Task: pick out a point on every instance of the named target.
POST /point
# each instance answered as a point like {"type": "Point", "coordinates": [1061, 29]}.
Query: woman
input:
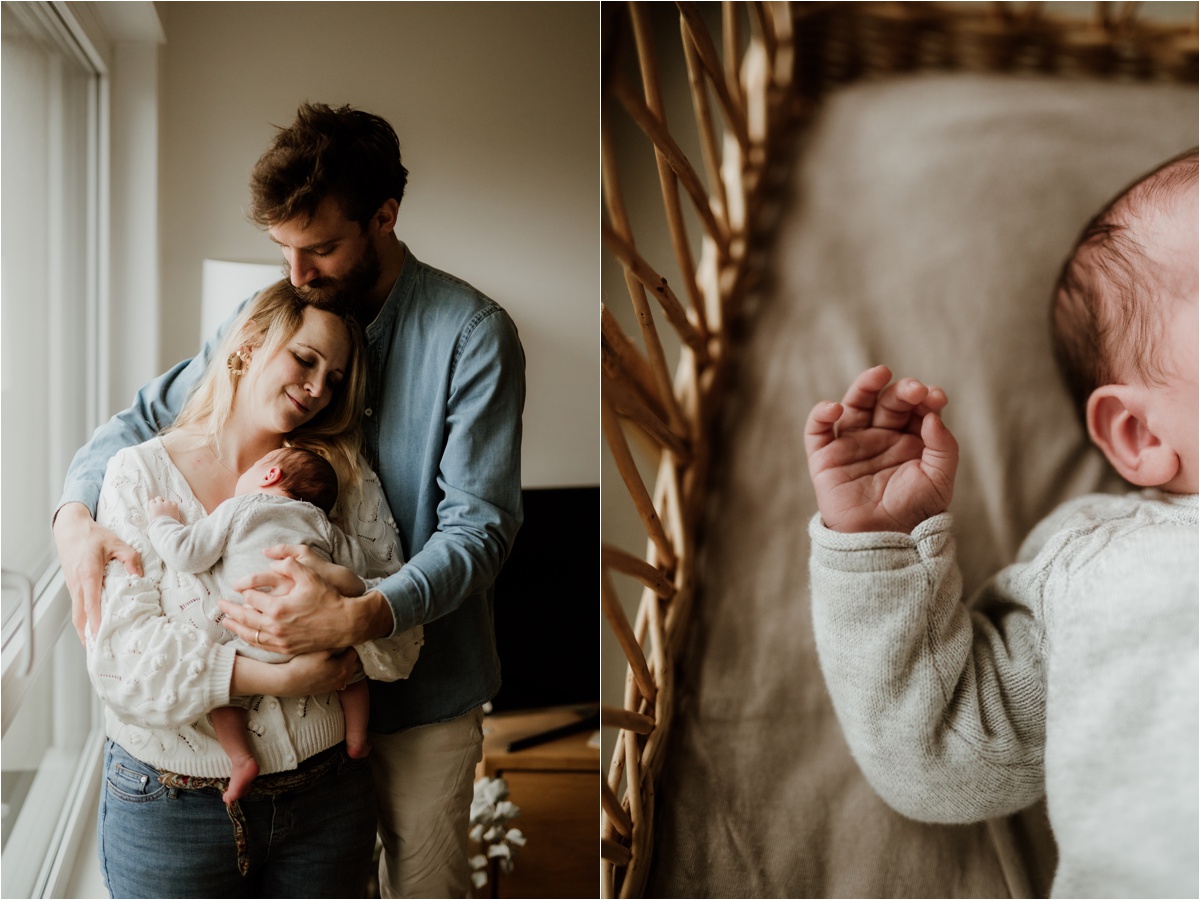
{"type": "Point", "coordinates": [286, 372]}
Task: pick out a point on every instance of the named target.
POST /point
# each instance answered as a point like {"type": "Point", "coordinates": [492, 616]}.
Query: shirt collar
{"type": "Point", "coordinates": [399, 294]}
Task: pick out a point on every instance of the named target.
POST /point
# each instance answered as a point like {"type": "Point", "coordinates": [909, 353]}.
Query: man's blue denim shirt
{"type": "Point", "coordinates": [446, 389]}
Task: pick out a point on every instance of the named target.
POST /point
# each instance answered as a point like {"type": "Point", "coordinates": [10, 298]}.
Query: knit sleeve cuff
{"type": "Point", "coordinates": [220, 674]}
{"type": "Point", "coordinates": [866, 551]}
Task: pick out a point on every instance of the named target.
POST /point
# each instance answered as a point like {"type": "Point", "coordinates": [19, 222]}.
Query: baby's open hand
{"type": "Point", "coordinates": [881, 460]}
{"type": "Point", "coordinates": [160, 507]}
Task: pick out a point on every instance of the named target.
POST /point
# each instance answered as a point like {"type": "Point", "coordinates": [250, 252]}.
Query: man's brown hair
{"type": "Point", "coordinates": [345, 153]}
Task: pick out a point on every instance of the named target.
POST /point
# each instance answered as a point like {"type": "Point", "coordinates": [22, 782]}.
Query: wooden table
{"type": "Point", "coordinates": [557, 786]}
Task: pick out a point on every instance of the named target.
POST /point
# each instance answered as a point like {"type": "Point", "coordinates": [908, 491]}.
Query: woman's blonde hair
{"type": "Point", "coordinates": [269, 320]}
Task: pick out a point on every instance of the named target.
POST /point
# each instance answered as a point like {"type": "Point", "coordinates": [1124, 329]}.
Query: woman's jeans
{"type": "Point", "coordinates": [154, 841]}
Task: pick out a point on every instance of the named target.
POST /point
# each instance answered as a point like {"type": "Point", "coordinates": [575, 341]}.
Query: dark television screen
{"type": "Point", "coordinates": [547, 603]}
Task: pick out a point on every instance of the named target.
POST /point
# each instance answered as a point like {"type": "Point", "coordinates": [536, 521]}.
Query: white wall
{"type": "Point", "coordinates": [496, 106]}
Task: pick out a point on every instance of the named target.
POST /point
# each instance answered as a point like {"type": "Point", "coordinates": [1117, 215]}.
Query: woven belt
{"type": "Point", "coordinates": [265, 786]}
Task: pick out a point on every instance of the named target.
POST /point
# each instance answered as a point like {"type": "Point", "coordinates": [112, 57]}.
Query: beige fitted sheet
{"type": "Point", "coordinates": [925, 224]}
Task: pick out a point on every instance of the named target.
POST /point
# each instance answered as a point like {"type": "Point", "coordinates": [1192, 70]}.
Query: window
{"type": "Point", "coordinates": [49, 220]}
{"type": "Point", "coordinates": [48, 359]}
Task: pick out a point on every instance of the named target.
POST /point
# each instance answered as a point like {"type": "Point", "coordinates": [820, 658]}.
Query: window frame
{"type": "Point", "coordinates": [42, 851]}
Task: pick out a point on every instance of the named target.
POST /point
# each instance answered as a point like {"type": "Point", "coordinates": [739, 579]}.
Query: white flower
{"type": "Point", "coordinates": [490, 810]}
{"type": "Point", "coordinates": [480, 810]}
{"type": "Point", "coordinates": [506, 810]}
{"type": "Point", "coordinates": [493, 789]}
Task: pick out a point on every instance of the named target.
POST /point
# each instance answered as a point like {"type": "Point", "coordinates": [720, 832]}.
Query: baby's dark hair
{"type": "Point", "coordinates": [1102, 324]}
{"type": "Point", "coordinates": [307, 476]}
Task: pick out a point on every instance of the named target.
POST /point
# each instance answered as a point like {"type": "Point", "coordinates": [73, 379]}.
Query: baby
{"type": "Point", "coordinates": [1073, 672]}
{"type": "Point", "coordinates": [283, 498]}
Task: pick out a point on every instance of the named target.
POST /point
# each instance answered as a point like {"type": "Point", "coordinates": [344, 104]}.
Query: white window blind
{"type": "Point", "coordinates": [49, 234]}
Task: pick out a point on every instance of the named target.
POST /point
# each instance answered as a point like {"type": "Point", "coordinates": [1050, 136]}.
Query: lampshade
{"type": "Point", "coordinates": [225, 284]}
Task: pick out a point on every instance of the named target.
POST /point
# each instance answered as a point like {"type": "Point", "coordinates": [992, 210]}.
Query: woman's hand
{"type": "Point", "coordinates": [318, 673]}
{"type": "Point", "coordinates": [84, 549]}
{"type": "Point", "coordinates": [881, 460]}
{"type": "Point", "coordinates": [343, 580]}
{"type": "Point", "coordinates": [321, 672]}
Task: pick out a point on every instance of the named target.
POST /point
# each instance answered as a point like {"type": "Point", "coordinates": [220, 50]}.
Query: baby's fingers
{"type": "Point", "coordinates": [898, 404]}
{"type": "Point", "coordinates": [862, 396]}
{"type": "Point", "coordinates": [934, 402]}
{"type": "Point", "coordinates": [821, 428]}
{"type": "Point", "coordinates": [939, 459]}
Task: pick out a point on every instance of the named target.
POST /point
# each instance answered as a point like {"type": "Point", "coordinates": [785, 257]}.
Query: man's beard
{"type": "Point", "coordinates": [348, 292]}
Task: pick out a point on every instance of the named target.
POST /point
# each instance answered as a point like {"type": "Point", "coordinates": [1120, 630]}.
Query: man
{"type": "Point", "coordinates": [442, 429]}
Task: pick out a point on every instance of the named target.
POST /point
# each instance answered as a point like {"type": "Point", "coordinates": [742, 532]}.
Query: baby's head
{"type": "Point", "coordinates": [292, 472]}
{"type": "Point", "coordinates": [1124, 319]}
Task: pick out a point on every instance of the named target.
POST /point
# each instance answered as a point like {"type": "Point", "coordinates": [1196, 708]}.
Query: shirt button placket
{"type": "Point", "coordinates": [370, 420]}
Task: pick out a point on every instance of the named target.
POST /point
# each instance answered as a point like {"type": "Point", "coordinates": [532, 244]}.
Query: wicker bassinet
{"type": "Point", "coordinates": [744, 101]}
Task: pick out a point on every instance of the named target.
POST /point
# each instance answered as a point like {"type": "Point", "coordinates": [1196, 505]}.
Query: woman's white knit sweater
{"type": "Point", "coordinates": [1072, 673]}
{"type": "Point", "coordinates": [160, 659]}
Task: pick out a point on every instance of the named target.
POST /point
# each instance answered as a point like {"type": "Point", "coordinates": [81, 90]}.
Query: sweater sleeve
{"type": "Point", "coordinates": [941, 701]}
{"type": "Point", "coordinates": [150, 668]}
{"type": "Point", "coordinates": [190, 548]}
{"type": "Point", "coordinates": [371, 546]}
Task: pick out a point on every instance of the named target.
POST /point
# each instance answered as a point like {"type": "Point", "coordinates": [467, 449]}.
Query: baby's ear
{"type": "Point", "coordinates": [271, 477]}
{"type": "Point", "coordinates": [1116, 420]}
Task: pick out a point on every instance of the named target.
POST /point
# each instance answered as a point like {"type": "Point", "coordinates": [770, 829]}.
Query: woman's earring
{"type": "Point", "coordinates": [237, 361]}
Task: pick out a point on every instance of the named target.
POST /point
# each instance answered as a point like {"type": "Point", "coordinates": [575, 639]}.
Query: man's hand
{"type": "Point", "coordinates": [84, 549]}
{"type": "Point", "coordinates": [881, 460]}
{"type": "Point", "coordinates": [160, 507]}
{"type": "Point", "coordinates": [303, 612]}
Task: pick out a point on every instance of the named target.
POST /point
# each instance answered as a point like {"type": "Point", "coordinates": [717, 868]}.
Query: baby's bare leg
{"type": "Point", "coordinates": [229, 722]}
{"type": "Point", "coordinates": [357, 709]}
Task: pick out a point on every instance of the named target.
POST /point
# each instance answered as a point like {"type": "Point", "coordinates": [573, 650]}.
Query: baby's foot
{"type": "Point", "coordinates": [245, 770]}
{"type": "Point", "coordinates": [357, 745]}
